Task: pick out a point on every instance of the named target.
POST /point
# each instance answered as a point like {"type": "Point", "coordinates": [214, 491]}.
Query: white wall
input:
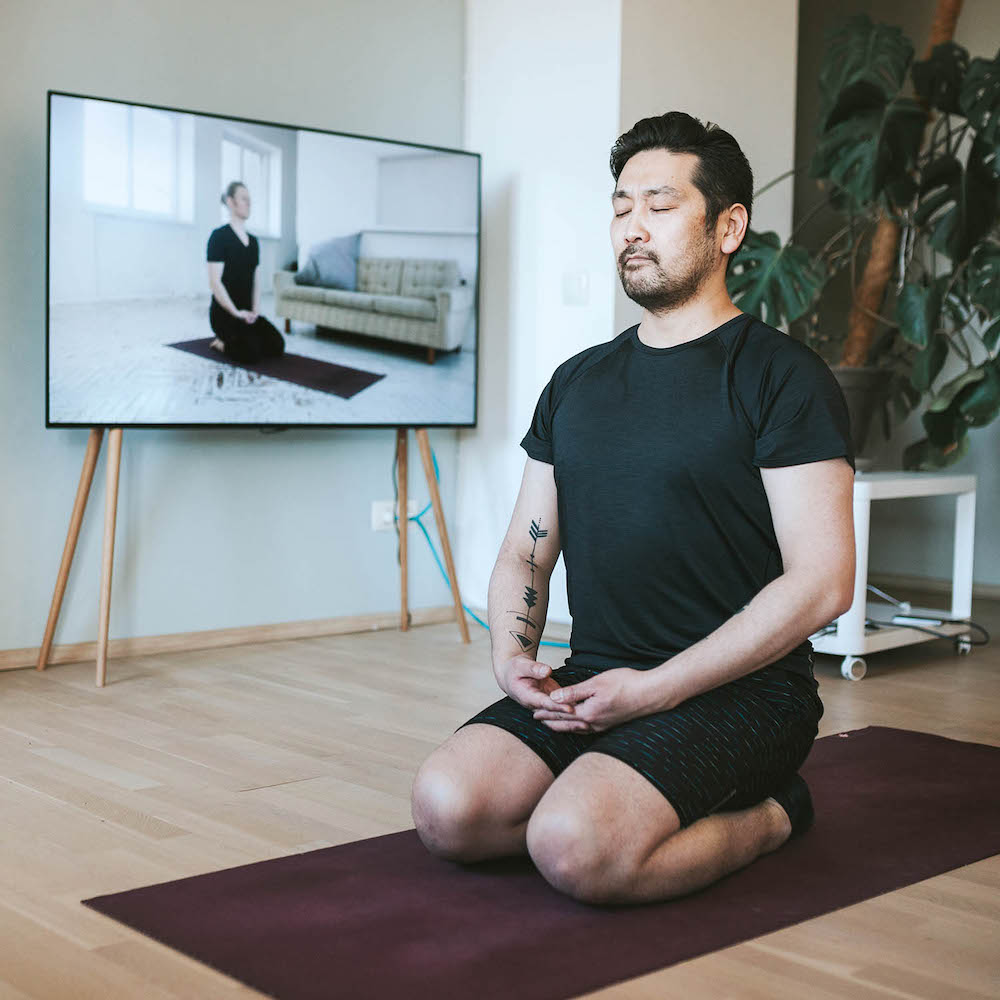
{"type": "Point", "coordinates": [542, 108]}
{"type": "Point", "coordinates": [585, 73]}
{"type": "Point", "coordinates": [428, 191]}
{"type": "Point", "coordinates": [223, 527]}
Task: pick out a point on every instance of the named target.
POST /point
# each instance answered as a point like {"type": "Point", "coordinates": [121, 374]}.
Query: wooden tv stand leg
{"type": "Point", "coordinates": [425, 454]}
{"type": "Point", "coordinates": [404, 526]}
{"type": "Point", "coordinates": [288, 325]}
{"type": "Point", "coordinates": [110, 511]}
{"type": "Point", "coordinates": [72, 535]}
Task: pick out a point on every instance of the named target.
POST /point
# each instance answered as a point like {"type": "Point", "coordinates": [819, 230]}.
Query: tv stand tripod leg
{"type": "Point", "coordinates": [72, 535]}
{"type": "Point", "coordinates": [425, 454]}
{"type": "Point", "coordinates": [110, 511]}
{"type": "Point", "coordinates": [404, 526]}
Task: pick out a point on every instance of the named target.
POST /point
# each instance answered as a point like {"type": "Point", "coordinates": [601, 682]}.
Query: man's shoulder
{"type": "Point", "coordinates": [582, 361]}
{"type": "Point", "coordinates": [761, 344]}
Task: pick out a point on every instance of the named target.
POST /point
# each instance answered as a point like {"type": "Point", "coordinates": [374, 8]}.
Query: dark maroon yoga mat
{"type": "Point", "coordinates": [308, 372]}
{"type": "Point", "coordinates": [384, 918]}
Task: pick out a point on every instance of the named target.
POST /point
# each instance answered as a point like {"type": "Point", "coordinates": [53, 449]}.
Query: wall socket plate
{"type": "Point", "coordinates": [382, 511]}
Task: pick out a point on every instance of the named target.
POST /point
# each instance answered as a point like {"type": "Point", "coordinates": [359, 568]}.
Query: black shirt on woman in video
{"type": "Point", "coordinates": [245, 342]}
{"type": "Point", "coordinates": [665, 525]}
{"type": "Point", "coordinates": [239, 264]}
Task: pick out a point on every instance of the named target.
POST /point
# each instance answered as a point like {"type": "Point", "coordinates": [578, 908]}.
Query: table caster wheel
{"type": "Point", "coordinates": [963, 645]}
{"type": "Point", "coordinates": [853, 668]}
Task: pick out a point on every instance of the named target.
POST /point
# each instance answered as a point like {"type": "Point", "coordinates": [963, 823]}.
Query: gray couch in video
{"type": "Point", "coordinates": [412, 301]}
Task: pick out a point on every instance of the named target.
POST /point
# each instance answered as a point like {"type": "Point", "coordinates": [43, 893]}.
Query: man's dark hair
{"type": "Point", "coordinates": [722, 175]}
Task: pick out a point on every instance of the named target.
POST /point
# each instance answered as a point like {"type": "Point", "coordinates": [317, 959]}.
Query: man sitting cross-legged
{"type": "Point", "coordinates": [696, 472]}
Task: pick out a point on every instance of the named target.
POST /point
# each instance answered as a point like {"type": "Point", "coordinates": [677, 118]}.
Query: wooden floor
{"type": "Point", "coordinates": [194, 762]}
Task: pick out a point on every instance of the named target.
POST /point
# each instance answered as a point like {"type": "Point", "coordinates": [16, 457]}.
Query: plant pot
{"type": "Point", "coordinates": [864, 390]}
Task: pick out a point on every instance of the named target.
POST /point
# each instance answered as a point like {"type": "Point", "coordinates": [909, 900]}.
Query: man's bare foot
{"type": "Point", "coordinates": [217, 345]}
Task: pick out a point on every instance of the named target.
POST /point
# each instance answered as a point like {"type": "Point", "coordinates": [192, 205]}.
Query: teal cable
{"type": "Point", "coordinates": [422, 527]}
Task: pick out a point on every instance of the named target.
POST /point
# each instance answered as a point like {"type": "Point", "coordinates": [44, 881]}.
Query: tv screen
{"type": "Point", "coordinates": [205, 270]}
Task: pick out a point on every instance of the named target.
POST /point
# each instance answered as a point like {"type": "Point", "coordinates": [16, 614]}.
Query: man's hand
{"type": "Point", "coordinates": [528, 682]}
{"type": "Point", "coordinates": [595, 705]}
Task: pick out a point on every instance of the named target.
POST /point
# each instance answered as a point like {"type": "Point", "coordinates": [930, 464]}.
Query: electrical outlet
{"type": "Point", "coordinates": [382, 511]}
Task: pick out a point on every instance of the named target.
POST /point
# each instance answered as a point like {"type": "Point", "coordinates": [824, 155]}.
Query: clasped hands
{"type": "Point", "coordinates": [597, 704]}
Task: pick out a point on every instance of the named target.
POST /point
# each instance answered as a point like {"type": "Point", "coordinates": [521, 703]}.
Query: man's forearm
{"type": "Point", "coordinates": [517, 605]}
{"type": "Point", "coordinates": [781, 616]}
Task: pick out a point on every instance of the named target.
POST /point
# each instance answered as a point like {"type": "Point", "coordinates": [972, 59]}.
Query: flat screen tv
{"type": "Point", "coordinates": [205, 270]}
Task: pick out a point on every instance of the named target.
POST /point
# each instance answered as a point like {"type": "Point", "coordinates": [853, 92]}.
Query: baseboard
{"type": "Point", "coordinates": [17, 659]}
{"type": "Point", "coordinates": [147, 645]}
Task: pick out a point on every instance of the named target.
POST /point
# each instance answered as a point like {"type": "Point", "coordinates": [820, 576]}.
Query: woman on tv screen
{"type": "Point", "coordinates": [233, 262]}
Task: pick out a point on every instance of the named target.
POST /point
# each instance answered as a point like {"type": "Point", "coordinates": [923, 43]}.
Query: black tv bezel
{"type": "Point", "coordinates": [257, 425]}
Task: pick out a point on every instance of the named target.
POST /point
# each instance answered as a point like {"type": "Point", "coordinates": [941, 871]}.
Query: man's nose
{"type": "Point", "coordinates": [636, 230]}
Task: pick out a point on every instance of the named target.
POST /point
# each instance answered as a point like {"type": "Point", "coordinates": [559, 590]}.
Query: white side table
{"type": "Point", "coordinates": [852, 639]}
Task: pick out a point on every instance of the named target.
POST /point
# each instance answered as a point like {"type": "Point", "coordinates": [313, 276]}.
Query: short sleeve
{"type": "Point", "coordinates": [216, 249]}
{"type": "Point", "coordinates": [255, 251]}
{"type": "Point", "coordinates": [538, 441]}
{"type": "Point", "coordinates": [803, 413]}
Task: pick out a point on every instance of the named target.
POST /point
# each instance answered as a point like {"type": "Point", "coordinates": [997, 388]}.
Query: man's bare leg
{"type": "Point", "coordinates": [708, 850]}
{"type": "Point", "coordinates": [473, 796]}
{"type": "Point", "coordinates": [603, 834]}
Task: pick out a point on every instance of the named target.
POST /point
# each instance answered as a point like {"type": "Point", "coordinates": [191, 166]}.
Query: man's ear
{"type": "Point", "coordinates": [735, 228]}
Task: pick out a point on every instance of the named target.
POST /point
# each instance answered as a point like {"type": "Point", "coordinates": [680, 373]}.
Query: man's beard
{"type": "Point", "coordinates": [651, 287]}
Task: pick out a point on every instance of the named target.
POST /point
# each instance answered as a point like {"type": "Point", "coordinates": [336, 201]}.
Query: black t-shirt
{"type": "Point", "coordinates": [665, 525]}
{"type": "Point", "coordinates": [239, 261]}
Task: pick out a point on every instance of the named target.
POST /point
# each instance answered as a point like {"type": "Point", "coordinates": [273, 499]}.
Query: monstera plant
{"type": "Point", "coordinates": [926, 171]}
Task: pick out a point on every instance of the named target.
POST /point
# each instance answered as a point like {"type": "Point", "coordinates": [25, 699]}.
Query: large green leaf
{"type": "Point", "coordinates": [980, 403]}
{"type": "Point", "coordinates": [923, 456]}
{"type": "Point", "coordinates": [983, 276]}
{"type": "Point", "coordinates": [928, 363]}
{"type": "Point", "coordinates": [942, 399]}
{"type": "Point", "coordinates": [917, 311]}
{"type": "Point", "coordinates": [862, 51]}
{"type": "Point", "coordinates": [944, 427]}
{"type": "Point", "coordinates": [991, 336]}
{"type": "Point", "coordinates": [870, 146]}
{"type": "Point", "coordinates": [980, 99]}
{"type": "Point", "coordinates": [776, 283]}
{"type": "Point", "coordinates": [938, 80]}
{"type": "Point", "coordinates": [968, 197]}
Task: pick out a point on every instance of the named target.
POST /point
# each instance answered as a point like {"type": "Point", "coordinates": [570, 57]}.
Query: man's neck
{"type": "Point", "coordinates": [689, 321]}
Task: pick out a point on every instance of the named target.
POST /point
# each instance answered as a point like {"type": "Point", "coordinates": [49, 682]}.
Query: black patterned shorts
{"type": "Point", "coordinates": [723, 750]}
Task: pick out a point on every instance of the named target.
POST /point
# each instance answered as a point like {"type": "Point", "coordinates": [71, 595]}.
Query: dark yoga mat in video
{"type": "Point", "coordinates": [384, 918]}
{"type": "Point", "coordinates": [309, 372]}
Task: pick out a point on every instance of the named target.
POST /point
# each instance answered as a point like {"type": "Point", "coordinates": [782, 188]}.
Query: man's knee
{"type": "Point", "coordinates": [447, 811]}
{"type": "Point", "coordinates": [572, 855]}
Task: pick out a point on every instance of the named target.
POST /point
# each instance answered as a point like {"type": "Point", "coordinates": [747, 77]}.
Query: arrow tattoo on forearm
{"type": "Point", "coordinates": [530, 594]}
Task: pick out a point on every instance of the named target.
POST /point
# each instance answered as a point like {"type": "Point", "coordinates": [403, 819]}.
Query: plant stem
{"type": "Point", "coordinates": [780, 177]}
